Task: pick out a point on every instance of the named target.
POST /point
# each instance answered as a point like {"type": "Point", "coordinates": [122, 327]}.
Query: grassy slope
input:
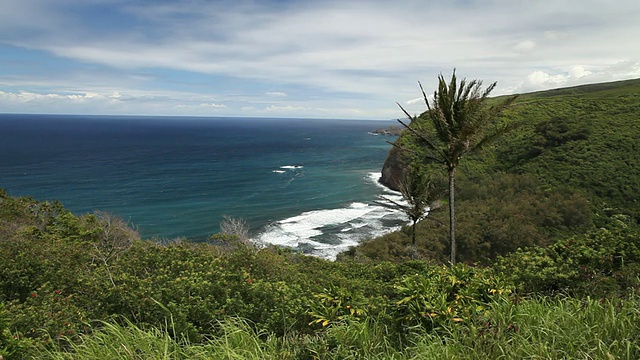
{"type": "Point", "coordinates": [585, 137]}
{"type": "Point", "coordinates": [573, 162]}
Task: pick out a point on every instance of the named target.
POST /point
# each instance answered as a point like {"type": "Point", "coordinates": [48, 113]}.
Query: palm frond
{"type": "Point", "coordinates": [422, 136]}
{"type": "Point", "coordinates": [411, 118]}
{"type": "Point", "coordinates": [424, 95]}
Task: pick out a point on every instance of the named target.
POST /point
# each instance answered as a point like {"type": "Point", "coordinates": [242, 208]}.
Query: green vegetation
{"type": "Point", "coordinates": [571, 165]}
{"type": "Point", "coordinates": [548, 216]}
{"type": "Point", "coordinates": [421, 195]}
{"type": "Point", "coordinates": [534, 329]}
{"type": "Point", "coordinates": [459, 122]}
{"type": "Point", "coordinates": [72, 288]}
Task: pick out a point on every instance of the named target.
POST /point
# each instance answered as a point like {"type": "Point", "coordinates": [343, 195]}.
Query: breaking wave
{"type": "Point", "coordinates": [327, 232]}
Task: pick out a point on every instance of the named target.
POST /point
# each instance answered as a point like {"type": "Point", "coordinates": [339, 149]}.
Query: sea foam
{"type": "Point", "coordinates": [327, 232]}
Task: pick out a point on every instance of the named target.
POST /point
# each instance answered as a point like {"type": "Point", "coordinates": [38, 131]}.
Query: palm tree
{"type": "Point", "coordinates": [461, 122]}
{"type": "Point", "coordinates": [421, 196]}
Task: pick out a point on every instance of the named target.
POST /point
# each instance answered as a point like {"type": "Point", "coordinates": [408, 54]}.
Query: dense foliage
{"type": "Point", "coordinates": [87, 287]}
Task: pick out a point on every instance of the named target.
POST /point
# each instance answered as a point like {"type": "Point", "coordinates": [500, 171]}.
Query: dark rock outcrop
{"type": "Point", "coordinates": [392, 169]}
{"type": "Point", "coordinates": [391, 130]}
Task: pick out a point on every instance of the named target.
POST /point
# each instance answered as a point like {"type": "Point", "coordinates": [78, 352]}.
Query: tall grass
{"type": "Point", "coordinates": [544, 328]}
{"type": "Point", "coordinates": [116, 341]}
{"type": "Point", "coordinates": [129, 341]}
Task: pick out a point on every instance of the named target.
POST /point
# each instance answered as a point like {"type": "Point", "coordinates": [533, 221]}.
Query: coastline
{"type": "Point", "coordinates": [327, 232]}
{"type": "Point", "coordinates": [172, 179]}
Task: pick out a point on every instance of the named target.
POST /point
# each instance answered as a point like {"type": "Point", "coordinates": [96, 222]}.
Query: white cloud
{"type": "Point", "coordinates": [342, 55]}
{"type": "Point", "coordinates": [81, 97]}
{"type": "Point", "coordinates": [285, 109]}
{"type": "Point", "coordinates": [525, 46]}
{"type": "Point", "coordinates": [27, 96]}
{"type": "Point", "coordinates": [554, 35]}
{"type": "Point", "coordinates": [578, 71]}
{"type": "Point", "coordinates": [542, 79]}
{"type": "Point", "coordinates": [415, 101]}
{"type": "Point", "coordinates": [276, 94]}
{"type": "Point", "coordinates": [213, 105]}
{"type": "Point", "coordinates": [578, 75]}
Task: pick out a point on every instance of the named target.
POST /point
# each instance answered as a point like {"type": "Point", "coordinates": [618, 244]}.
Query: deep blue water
{"type": "Point", "coordinates": [303, 183]}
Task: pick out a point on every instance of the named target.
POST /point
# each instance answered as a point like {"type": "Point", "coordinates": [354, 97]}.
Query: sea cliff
{"type": "Point", "coordinates": [392, 169]}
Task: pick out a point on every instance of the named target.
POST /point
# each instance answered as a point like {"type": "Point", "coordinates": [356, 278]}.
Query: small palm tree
{"type": "Point", "coordinates": [461, 122]}
{"type": "Point", "coordinates": [421, 195]}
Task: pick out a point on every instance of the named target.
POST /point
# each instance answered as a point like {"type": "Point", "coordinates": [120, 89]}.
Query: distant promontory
{"type": "Point", "coordinates": [391, 131]}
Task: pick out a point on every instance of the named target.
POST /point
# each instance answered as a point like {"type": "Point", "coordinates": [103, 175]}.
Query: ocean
{"type": "Point", "coordinates": [306, 184]}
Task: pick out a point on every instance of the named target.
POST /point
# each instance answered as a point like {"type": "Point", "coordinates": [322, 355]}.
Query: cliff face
{"type": "Point", "coordinates": [392, 169]}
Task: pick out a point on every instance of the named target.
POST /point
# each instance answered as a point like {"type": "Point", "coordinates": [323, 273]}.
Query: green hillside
{"type": "Point", "coordinates": [624, 87]}
{"type": "Point", "coordinates": [571, 165]}
{"type": "Point", "coordinates": [584, 137]}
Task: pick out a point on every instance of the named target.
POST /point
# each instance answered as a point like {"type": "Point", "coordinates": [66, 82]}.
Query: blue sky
{"type": "Point", "coordinates": [288, 58]}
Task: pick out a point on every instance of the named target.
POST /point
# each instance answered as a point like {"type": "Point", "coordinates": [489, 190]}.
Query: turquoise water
{"type": "Point", "coordinates": [308, 184]}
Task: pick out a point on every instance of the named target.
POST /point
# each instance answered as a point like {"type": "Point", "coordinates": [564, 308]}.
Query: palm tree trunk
{"type": "Point", "coordinates": [413, 240]}
{"type": "Point", "coordinates": [452, 217]}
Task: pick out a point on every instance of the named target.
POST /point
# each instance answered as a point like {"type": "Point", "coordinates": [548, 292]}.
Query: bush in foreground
{"type": "Point", "coordinates": [63, 292]}
{"type": "Point", "coordinates": [541, 328]}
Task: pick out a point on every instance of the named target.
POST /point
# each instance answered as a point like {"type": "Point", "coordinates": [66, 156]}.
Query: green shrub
{"type": "Point", "coordinates": [599, 263]}
{"type": "Point", "coordinates": [48, 314]}
{"type": "Point", "coordinates": [12, 344]}
{"type": "Point", "coordinates": [445, 296]}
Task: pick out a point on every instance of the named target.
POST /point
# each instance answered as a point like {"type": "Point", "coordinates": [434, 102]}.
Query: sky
{"type": "Point", "coordinates": [299, 58]}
